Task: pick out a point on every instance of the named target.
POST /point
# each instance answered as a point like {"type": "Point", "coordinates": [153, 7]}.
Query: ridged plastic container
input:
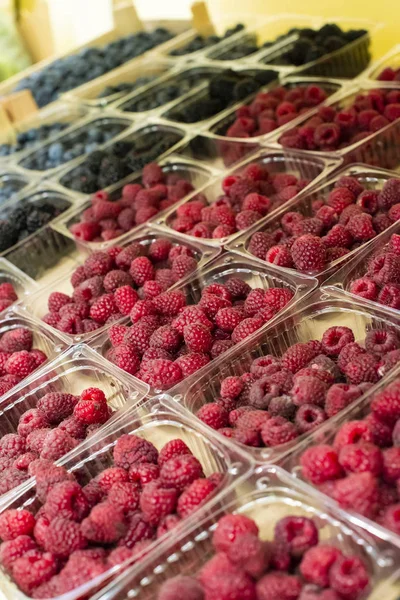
{"type": "Point", "coordinates": [379, 149]}
{"type": "Point", "coordinates": [129, 72]}
{"type": "Point", "coordinates": [269, 495]}
{"type": "Point", "coordinates": [198, 175]}
{"type": "Point", "coordinates": [390, 59]}
{"type": "Point", "coordinates": [43, 248]}
{"type": "Point", "coordinates": [339, 283]}
{"type": "Point", "coordinates": [22, 284]}
{"type": "Point", "coordinates": [317, 170]}
{"type": "Point", "coordinates": [36, 307]}
{"type": "Point", "coordinates": [219, 271]}
{"type": "Point", "coordinates": [15, 179]}
{"type": "Point", "coordinates": [369, 177]}
{"type": "Point", "coordinates": [325, 435]}
{"type": "Point", "coordinates": [59, 112]}
{"type": "Point", "coordinates": [136, 132]}
{"type": "Point", "coordinates": [307, 320]}
{"type": "Point", "coordinates": [72, 134]}
{"type": "Point", "coordinates": [156, 424]}
{"type": "Point", "coordinates": [219, 126]}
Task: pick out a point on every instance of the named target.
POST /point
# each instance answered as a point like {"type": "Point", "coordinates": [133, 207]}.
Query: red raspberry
{"type": "Point", "coordinates": [254, 302]}
{"type": "Point", "coordinates": [127, 255]}
{"type": "Point", "coordinates": [76, 429]}
{"type": "Point", "coordinates": [47, 476]}
{"type": "Point", "coordinates": [390, 296]}
{"type": "Point", "coordinates": [197, 337]}
{"type": "Point", "coordinates": [89, 289]}
{"type": "Point", "coordinates": [7, 291]}
{"type": "Point", "coordinates": [320, 464]}
{"type": "Point", "coordinates": [308, 253]}
{"type": "Point", "coordinates": [192, 362]}
{"type": "Point", "coordinates": [152, 174]}
{"type": "Point", "coordinates": [231, 387]}
{"type": "Point", "coordinates": [181, 588]}
{"type": "Point", "coordinates": [361, 227]}
{"type": "Point", "coordinates": [365, 288]}
{"type": "Point", "coordinates": [131, 449]}
{"type": "Point", "coordinates": [102, 308]}
{"type": "Point", "coordinates": [220, 346]}
{"type": "Point", "coordinates": [213, 415]}
{"type": "Point", "coordinates": [20, 363]}
{"type": "Point", "coordinates": [385, 269]}
{"type": "Point", "coordinates": [178, 472]}
{"type": "Point", "coordinates": [139, 529]}
{"type": "Point", "coordinates": [143, 473]}
{"type": "Point", "coordinates": [57, 300]}
{"type": "Point", "coordinates": [125, 357]}
{"type": "Point", "coordinates": [310, 225]}
{"type": "Point", "coordinates": [250, 554]}
{"type": "Point", "coordinates": [171, 449]}
{"type": "Point", "coordinates": [138, 336]}
{"type": "Point", "coordinates": [246, 328]}
{"type": "Point", "coordinates": [277, 298]}
{"type": "Point", "coordinates": [141, 270]}
{"type": "Point", "coordinates": [347, 353]}
{"type": "Point", "coordinates": [362, 368]}
{"type": "Point", "coordinates": [358, 492]}
{"type": "Point", "coordinates": [57, 443]}
{"type": "Point", "coordinates": [360, 458]}
{"type": "Point", "coordinates": [30, 420]}
{"type": "Point", "coordinates": [390, 519]}
{"type": "Point", "coordinates": [277, 431]}
{"type": "Point", "coordinates": [170, 303]}
{"type": "Point", "coordinates": [66, 499]}
{"type": "Point", "coordinates": [297, 533]}
{"type": "Point", "coordinates": [167, 338]}
{"type": "Point", "coordinates": [228, 318]}
{"type": "Point", "coordinates": [306, 388]}
{"type": "Point", "coordinates": [12, 445]}
{"type": "Point", "coordinates": [194, 496]}
{"type": "Point", "coordinates": [124, 495]}
{"type": "Point", "coordinates": [339, 198]}
{"type": "Point", "coordinates": [339, 396]}
{"type": "Point", "coordinates": [260, 243]}
{"type": "Point", "coordinates": [390, 194]}
{"type": "Point", "coordinates": [109, 477]}
{"type": "Point", "coordinates": [116, 334]}
{"type": "Point", "coordinates": [156, 502]}
{"type": "Point", "coordinates": [335, 339]}
{"type": "Point", "coordinates": [98, 263]}
{"type": "Point", "coordinates": [14, 523]}
{"type": "Point", "coordinates": [308, 417]}
{"type": "Point", "coordinates": [379, 341]}
{"type": "Point", "coordinates": [161, 373]}
{"type": "Point", "coordinates": [16, 340]}
{"type": "Point", "coordinates": [188, 316]}
{"type": "Point", "coordinates": [278, 585]}
{"type": "Point", "coordinates": [14, 549]}
{"type": "Point", "coordinates": [348, 576]}
{"type": "Point", "coordinates": [351, 432]}
{"type": "Point", "coordinates": [317, 562]}
{"type": "Point", "coordinates": [298, 356]}
{"type": "Point", "coordinates": [78, 276]}
{"type": "Point", "coordinates": [91, 411]}
{"type": "Point", "coordinates": [33, 569]}
{"type": "Point", "coordinates": [63, 537]}
{"type": "Point", "coordinates": [116, 279]}
{"type": "Point", "coordinates": [182, 266]}
{"type": "Point", "coordinates": [391, 465]}
{"type": "Point", "coordinates": [226, 586]}
{"type": "Point", "coordinates": [56, 406]}
{"type": "Point", "coordinates": [279, 255]}
{"type": "Point", "coordinates": [105, 524]}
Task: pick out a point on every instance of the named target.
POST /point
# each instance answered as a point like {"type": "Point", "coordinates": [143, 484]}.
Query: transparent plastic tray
{"type": "Point", "coordinates": [36, 307]}
{"type": "Point", "coordinates": [59, 112]}
{"type": "Point", "coordinates": [22, 284]}
{"type": "Point", "coordinates": [73, 371]}
{"type": "Point", "coordinates": [317, 170]}
{"type": "Point", "coordinates": [325, 435]}
{"type": "Point", "coordinates": [198, 175]}
{"type": "Point", "coordinates": [88, 94]}
{"type": "Point", "coordinates": [390, 59]}
{"type": "Point", "coordinates": [379, 149]}
{"type": "Point", "coordinates": [135, 133]}
{"type": "Point", "coordinates": [220, 270]}
{"type": "Point", "coordinates": [269, 495]}
{"type": "Point", "coordinates": [219, 126]}
{"type": "Point", "coordinates": [14, 181]}
{"type": "Point", "coordinates": [369, 177]}
{"type": "Point", "coordinates": [156, 424]}
{"type": "Point", "coordinates": [307, 320]}
{"type": "Point", "coordinates": [339, 283]}
{"type": "Point", "coordinates": [43, 247]}
{"type": "Point", "coordinates": [72, 134]}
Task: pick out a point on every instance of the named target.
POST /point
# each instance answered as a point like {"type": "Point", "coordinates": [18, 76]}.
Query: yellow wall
{"type": "Point", "coordinates": [378, 11]}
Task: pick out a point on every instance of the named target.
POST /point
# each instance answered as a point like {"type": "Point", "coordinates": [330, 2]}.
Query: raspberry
{"type": "Point", "coordinates": [12, 550]}
{"type": "Point", "coordinates": [228, 318]}
{"type": "Point", "coordinates": [125, 495]}
{"type": "Point", "coordinates": [125, 358]}
{"type": "Point", "coordinates": [109, 477]}
{"type": "Point", "coordinates": [89, 289]}
{"type": "Point", "coordinates": [320, 464]}
{"type": "Point", "coordinates": [390, 194]}
{"type": "Point", "coordinates": [11, 478]}
{"type": "Point", "coordinates": [16, 340]}
{"type": "Point", "coordinates": [339, 396]}
{"type": "Point", "coordinates": [231, 387]}
{"type": "Point", "coordinates": [365, 288]}
{"type": "Point", "coordinates": [282, 406]}
{"type": "Point", "coordinates": [277, 431]}
{"type": "Point", "coordinates": [33, 569]}
{"type": "Point", "coordinates": [317, 562]}
{"type": "Point", "coordinates": [360, 458]}
{"type": "Point", "coordinates": [171, 449]}
{"type": "Point", "coordinates": [162, 374]}
{"type": "Point", "coordinates": [20, 363]}
{"type": "Point", "coordinates": [194, 496]}
{"type": "Point", "coordinates": [213, 415]}
{"type": "Point", "coordinates": [66, 499]}
{"type": "Point", "coordinates": [246, 328]}
{"type": "Point", "coordinates": [226, 586]}
{"type": "Point", "coordinates": [57, 300]}
{"type": "Point", "coordinates": [76, 429]}
{"type": "Point", "coordinates": [181, 588]}
{"type": "Point", "coordinates": [310, 225]}
{"type": "Point", "coordinates": [279, 255]}
{"type": "Point", "coordinates": [338, 236]}
{"type": "Point", "coordinates": [116, 334]}
{"type": "Point", "coordinates": [139, 529]}
{"type": "Point", "coordinates": [197, 337]}
{"type": "Point", "coordinates": [391, 465]}
{"type": "Point", "coordinates": [254, 302]}
{"type": "Point", "coordinates": [141, 270]}
{"type": "Point", "coordinates": [260, 243]}
{"type": "Point", "coordinates": [379, 433]}
{"type": "Point", "coordinates": [56, 406]}
{"type": "Point", "coordinates": [348, 576]}
{"type": "Point", "coordinates": [390, 519]}
{"type": "Point", "coordinates": [250, 554]}
{"type": "Point", "coordinates": [131, 449]}
{"type": "Point", "coordinates": [91, 411]}
{"type": "Point", "coordinates": [12, 445]}
{"type": "Point", "coordinates": [102, 308]}
{"type": "Point", "coordinates": [47, 476]}
{"type": "Point", "coordinates": [277, 298]}
{"type": "Point", "coordinates": [297, 533]}
{"type": "Point", "coordinates": [220, 346]}
{"type": "Point", "coordinates": [390, 296]}
{"type": "Point", "coordinates": [308, 253]}
{"type": "Point", "coordinates": [105, 524]}
{"type": "Point", "coordinates": [170, 303]}
{"type": "Point", "coordinates": [362, 368]}
{"type": "Point", "coordinates": [348, 353]}
{"type": "Point", "coordinates": [335, 339]}
{"type": "Point", "coordinates": [380, 341]}
{"type": "Point", "coordinates": [156, 501]}
{"type": "Point", "coordinates": [125, 298]}
{"type": "Point", "coordinates": [98, 263]}
{"type": "Point", "coordinates": [358, 492]}
{"type": "Point", "coordinates": [192, 362]}
{"type": "Point", "coordinates": [308, 417]}
{"type": "Point", "coordinates": [278, 585]}
{"type": "Point", "coordinates": [232, 527]}
{"type": "Point", "coordinates": [298, 356]}
{"type": "Point", "coordinates": [178, 472]}
{"type": "Point", "coordinates": [167, 338]}
{"type": "Point", "coordinates": [339, 198]}
{"type": "Point", "coordinates": [14, 523]}
{"type": "Point", "coordinates": [182, 266]}
{"type": "Point", "coordinates": [63, 537]}
{"type": "Point", "coordinates": [351, 432]}
{"type": "Point", "coordinates": [361, 227]}
{"type": "Point", "coordinates": [306, 388]}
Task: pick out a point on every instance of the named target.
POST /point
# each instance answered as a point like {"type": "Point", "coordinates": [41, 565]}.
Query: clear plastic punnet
{"type": "Point", "coordinates": [78, 135]}
{"type": "Point", "coordinates": [11, 182]}
{"type": "Point", "coordinates": [269, 495]}
{"type": "Point", "coordinates": [312, 171]}
{"type": "Point", "coordinates": [22, 284]}
{"type": "Point", "coordinates": [219, 271]}
{"type": "Point", "coordinates": [325, 436]}
{"type": "Point", "coordinates": [340, 282]}
{"type": "Point", "coordinates": [36, 306]}
{"type": "Point", "coordinates": [370, 178]}
{"type": "Point", "coordinates": [384, 69]}
{"type": "Point", "coordinates": [197, 174]}
{"type": "Point", "coordinates": [377, 148]}
{"type": "Point", "coordinates": [306, 321]}
{"type": "Point", "coordinates": [154, 423]}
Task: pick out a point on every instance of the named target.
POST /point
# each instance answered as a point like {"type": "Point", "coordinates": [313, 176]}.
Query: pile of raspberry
{"type": "Point", "coordinates": [335, 127]}
{"type": "Point", "coordinates": [270, 110]}
{"type": "Point", "coordinates": [110, 282]}
{"type": "Point", "coordinates": [381, 281]}
{"type": "Point", "coordinates": [107, 219]}
{"type": "Point", "coordinates": [360, 469]}
{"type": "Point", "coordinates": [246, 199]}
{"type": "Point", "coordinates": [76, 532]}
{"type": "Point", "coordinates": [8, 295]}
{"type": "Point", "coordinates": [57, 425]}
{"type": "Point", "coordinates": [170, 339]}
{"type": "Point", "coordinates": [389, 74]}
{"type": "Point", "coordinates": [295, 565]}
{"type": "Point", "coordinates": [18, 358]}
{"type": "Point", "coordinates": [347, 217]}
{"type": "Point", "coordinates": [280, 399]}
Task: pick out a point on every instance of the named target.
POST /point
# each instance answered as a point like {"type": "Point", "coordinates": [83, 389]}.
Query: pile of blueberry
{"type": "Point", "coordinates": [9, 187]}
{"type": "Point", "coordinates": [103, 168]}
{"type": "Point", "coordinates": [82, 141]}
{"type": "Point", "coordinates": [224, 89]}
{"type": "Point", "coordinates": [200, 41]}
{"type": "Point", "coordinates": [27, 217]}
{"type": "Point", "coordinates": [169, 90]}
{"type": "Point", "coordinates": [31, 137]}
{"type": "Point", "coordinates": [126, 87]}
{"type": "Point", "coordinates": [69, 72]}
